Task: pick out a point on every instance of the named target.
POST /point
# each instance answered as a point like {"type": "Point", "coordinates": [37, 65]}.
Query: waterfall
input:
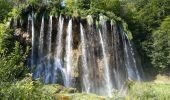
{"type": "Point", "coordinates": [134, 61]}
{"type": "Point", "coordinates": [105, 47]}
{"type": "Point", "coordinates": [41, 51]}
{"type": "Point", "coordinates": [89, 20]}
{"type": "Point", "coordinates": [15, 23]}
{"type": "Point", "coordinates": [106, 68]}
{"type": "Point", "coordinates": [117, 62]}
{"type": "Point", "coordinates": [58, 51]}
{"type": "Point", "coordinates": [28, 25]}
{"type": "Point", "coordinates": [41, 41]}
{"type": "Point", "coordinates": [59, 45]}
{"type": "Point", "coordinates": [48, 65]}
{"type": "Point", "coordinates": [130, 60]}
{"type": "Point", "coordinates": [98, 56]}
{"type": "Point", "coordinates": [68, 55]}
{"type": "Point", "coordinates": [49, 38]}
{"type": "Point", "coordinates": [86, 80]}
{"type": "Point", "coordinates": [33, 42]}
{"type": "Point", "coordinates": [91, 56]}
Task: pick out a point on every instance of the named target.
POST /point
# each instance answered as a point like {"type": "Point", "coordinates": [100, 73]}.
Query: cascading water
{"type": "Point", "coordinates": [86, 78]}
{"type": "Point", "coordinates": [134, 61]}
{"type": "Point", "coordinates": [58, 51]}
{"type": "Point", "coordinates": [28, 24]}
{"type": "Point", "coordinates": [59, 45]}
{"type": "Point", "coordinates": [48, 68]}
{"type": "Point", "coordinates": [106, 68]}
{"type": "Point", "coordinates": [117, 56]}
{"type": "Point", "coordinates": [33, 42]}
{"type": "Point", "coordinates": [130, 60]}
{"type": "Point", "coordinates": [104, 56]}
{"type": "Point", "coordinates": [15, 24]}
{"type": "Point", "coordinates": [41, 51]}
{"type": "Point", "coordinates": [68, 55]}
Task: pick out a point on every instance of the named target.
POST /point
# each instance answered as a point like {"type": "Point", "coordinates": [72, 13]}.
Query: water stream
{"type": "Point", "coordinates": [93, 57]}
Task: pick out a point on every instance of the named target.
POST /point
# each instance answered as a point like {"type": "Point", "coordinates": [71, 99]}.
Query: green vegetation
{"type": "Point", "coordinates": [147, 21]}
{"type": "Point", "coordinates": [24, 89]}
{"type": "Point", "coordinates": [5, 7]}
{"type": "Point", "coordinates": [149, 91]}
{"type": "Point", "coordinates": [161, 45]}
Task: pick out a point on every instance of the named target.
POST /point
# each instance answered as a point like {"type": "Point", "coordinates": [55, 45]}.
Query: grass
{"type": "Point", "coordinates": [136, 91]}
{"type": "Point", "coordinates": [149, 91]}
{"type": "Point", "coordinates": [27, 88]}
{"type": "Point", "coordinates": [164, 79]}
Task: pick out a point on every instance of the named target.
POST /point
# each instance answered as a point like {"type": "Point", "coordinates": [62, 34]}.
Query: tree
{"type": "Point", "coordinates": [145, 19]}
{"type": "Point", "coordinates": [107, 5]}
{"type": "Point", "coordinates": [5, 7]}
{"type": "Point", "coordinates": [161, 46]}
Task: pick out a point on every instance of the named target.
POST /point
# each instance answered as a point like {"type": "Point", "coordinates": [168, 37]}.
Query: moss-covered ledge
{"type": "Point", "coordinates": [69, 11]}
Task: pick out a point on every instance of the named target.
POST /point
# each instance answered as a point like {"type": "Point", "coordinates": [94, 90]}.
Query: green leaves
{"type": "Point", "coordinates": [107, 5]}
{"type": "Point", "coordinates": [161, 45]}
{"type": "Point", "coordinates": [149, 21]}
{"type": "Point", "coordinates": [23, 90]}
{"type": "Point", "coordinates": [12, 56]}
{"type": "Point", "coordinates": [149, 91]}
{"type": "Point", "coordinates": [12, 65]}
{"type": "Point", "coordinates": [5, 7]}
{"type": "Point", "coordinates": [165, 25]}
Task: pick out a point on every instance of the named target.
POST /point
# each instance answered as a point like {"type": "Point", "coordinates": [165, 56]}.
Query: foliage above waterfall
{"type": "Point", "coordinates": [76, 9]}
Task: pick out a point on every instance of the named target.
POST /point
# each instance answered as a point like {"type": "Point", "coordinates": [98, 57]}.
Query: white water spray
{"type": "Point", "coordinates": [49, 66]}
{"type": "Point", "coordinates": [106, 67]}
{"type": "Point", "coordinates": [86, 81]}
{"type": "Point", "coordinates": [68, 55]}
{"type": "Point", "coordinates": [58, 51]}
{"type": "Point", "coordinates": [33, 42]}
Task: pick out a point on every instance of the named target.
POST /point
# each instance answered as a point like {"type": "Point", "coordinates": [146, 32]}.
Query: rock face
{"type": "Point", "coordinates": [92, 55]}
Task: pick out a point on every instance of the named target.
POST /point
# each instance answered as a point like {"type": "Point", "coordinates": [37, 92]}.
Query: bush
{"type": "Point", "coordinates": [12, 65]}
{"type": "Point", "coordinates": [5, 7]}
{"type": "Point", "coordinates": [12, 56]}
{"type": "Point", "coordinates": [23, 90]}
{"type": "Point", "coordinates": [161, 46]}
{"type": "Point", "coordinates": [149, 91]}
